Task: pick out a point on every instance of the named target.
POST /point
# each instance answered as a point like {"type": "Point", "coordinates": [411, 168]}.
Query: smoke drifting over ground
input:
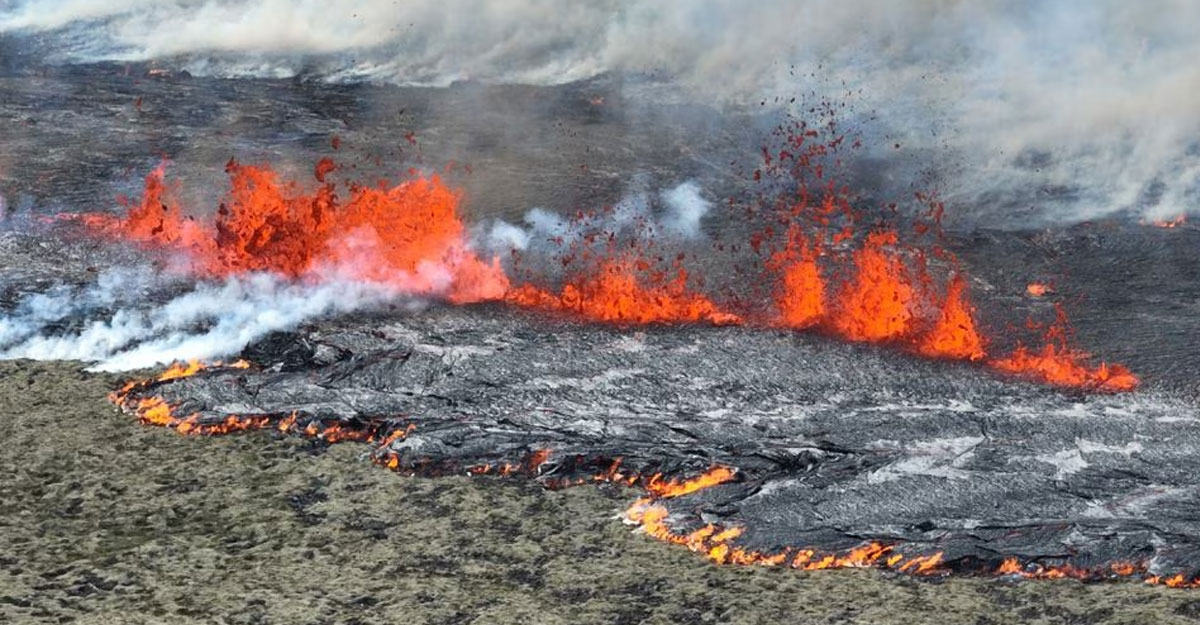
{"type": "Point", "coordinates": [105, 323]}
{"type": "Point", "coordinates": [1062, 111]}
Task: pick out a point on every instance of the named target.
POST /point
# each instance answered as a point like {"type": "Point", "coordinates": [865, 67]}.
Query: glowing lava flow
{"type": "Point", "coordinates": [715, 542]}
{"type": "Point", "coordinates": [1057, 363]}
{"type": "Point", "coordinates": [174, 371]}
{"type": "Point", "coordinates": [1012, 567]}
{"type": "Point", "coordinates": [154, 410]}
{"type": "Point", "coordinates": [614, 293]}
{"type": "Point", "coordinates": [1173, 222]}
{"type": "Point", "coordinates": [1037, 289]}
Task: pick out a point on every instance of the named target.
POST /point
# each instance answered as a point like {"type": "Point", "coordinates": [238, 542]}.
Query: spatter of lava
{"type": "Point", "coordinates": [648, 513]}
{"type": "Point", "coordinates": [832, 273]}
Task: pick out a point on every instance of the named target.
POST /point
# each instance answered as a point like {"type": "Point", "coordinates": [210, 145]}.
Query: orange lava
{"type": "Point", "coordinates": [153, 219]}
{"type": "Point", "coordinates": [800, 296]}
{"type": "Point", "coordinates": [154, 410]}
{"type": "Point", "coordinates": [1173, 222]}
{"type": "Point", "coordinates": [1011, 566]}
{"type": "Point", "coordinates": [1037, 289]}
{"type": "Point", "coordinates": [174, 371]}
{"type": "Point", "coordinates": [955, 334]}
{"type": "Point", "coordinates": [615, 293]}
{"type": "Point", "coordinates": [529, 466]}
{"type": "Point", "coordinates": [677, 488]}
{"type": "Point", "coordinates": [877, 305]}
{"type": "Point", "coordinates": [410, 235]}
{"type": "Point", "coordinates": [716, 544]}
{"type": "Point", "coordinates": [1057, 363]}
{"type": "Point", "coordinates": [1065, 367]}
{"type": "Point", "coordinates": [713, 542]}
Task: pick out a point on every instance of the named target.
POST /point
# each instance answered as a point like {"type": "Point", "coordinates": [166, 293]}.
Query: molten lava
{"type": "Point", "coordinates": [955, 334]}
{"type": "Point", "coordinates": [877, 305]}
{"type": "Point", "coordinates": [409, 236]}
{"type": "Point", "coordinates": [1037, 289]}
{"type": "Point", "coordinates": [677, 488]}
{"type": "Point", "coordinates": [154, 410]}
{"type": "Point", "coordinates": [713, 542]}
{"type": "Point", "coordinates": [828, 274]}
{"type": "Point", "coordinates": [615, 293]}
{"type": "Point", "coordinates": [153, 220]}
{"type": "Point", "coordinates": [1173, 222]}
{"type": "Point", "coordinates": [800, 296]}
{"type": "Point", "coordinates": [1058, 363]}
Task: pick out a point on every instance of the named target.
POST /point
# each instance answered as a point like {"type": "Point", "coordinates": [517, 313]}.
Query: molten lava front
{"type": "Point", "coordinates": [652, 514]}
{"type": "Point", "coordinates": [748, 449]}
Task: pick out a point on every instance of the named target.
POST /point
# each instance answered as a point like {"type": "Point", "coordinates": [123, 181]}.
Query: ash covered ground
{"type": "Point", "coordinates": [832, 444]}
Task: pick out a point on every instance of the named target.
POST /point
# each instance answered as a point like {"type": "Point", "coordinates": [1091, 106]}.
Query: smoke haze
{"type": "Point", "coordinates": [1082, 108]}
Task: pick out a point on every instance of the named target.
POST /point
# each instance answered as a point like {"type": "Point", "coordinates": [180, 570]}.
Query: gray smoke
{"type": "Point", "coordinates": [1059, 110]}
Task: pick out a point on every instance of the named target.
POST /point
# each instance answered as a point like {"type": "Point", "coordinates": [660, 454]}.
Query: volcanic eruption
{"type": "Point", "coordinates": [834, 274]}
{"type": "Point", "coordinates": [797, 341]}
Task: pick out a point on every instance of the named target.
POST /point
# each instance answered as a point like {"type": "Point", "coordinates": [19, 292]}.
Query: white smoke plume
{"type": "Point", "coordinates": [1062, 110]}
{"type": "Point", "coordinates": [110, 324]}
{"type": "Point", "coordinates": [687, 208]}
{"type": "Point", "coordinates": [672, 216]}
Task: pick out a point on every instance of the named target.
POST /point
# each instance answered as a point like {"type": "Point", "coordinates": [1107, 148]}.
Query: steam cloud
{"type": "Point", "coordinates": [1058, 110]}
{"type": "Point", "coordinates": [672, 216]}
{"type": "Point", "coordinates": [110, 324]}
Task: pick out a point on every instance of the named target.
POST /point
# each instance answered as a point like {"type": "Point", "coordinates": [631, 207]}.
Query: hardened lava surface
{"type": "Point", "coordinates": [833, 445]}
